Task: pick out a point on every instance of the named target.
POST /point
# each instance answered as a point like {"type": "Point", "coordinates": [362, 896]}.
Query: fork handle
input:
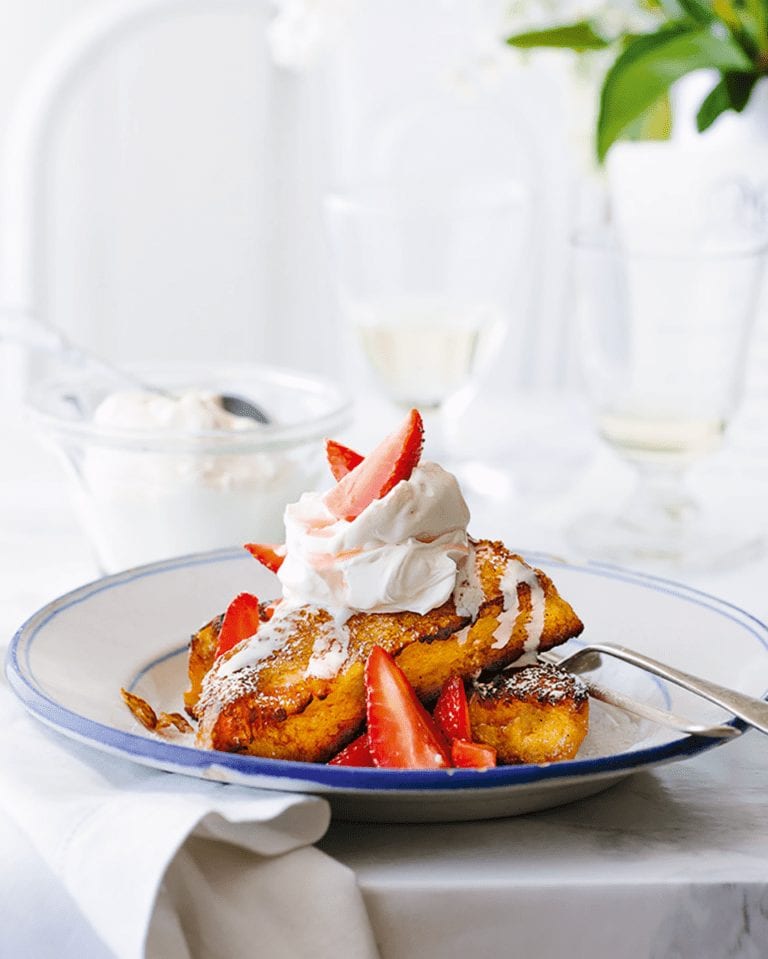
{"type": "Point", "coordinates": [752, 711]}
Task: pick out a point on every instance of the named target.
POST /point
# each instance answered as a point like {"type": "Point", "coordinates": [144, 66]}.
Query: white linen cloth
{"type": "Point", "coordinates": [169, 867]}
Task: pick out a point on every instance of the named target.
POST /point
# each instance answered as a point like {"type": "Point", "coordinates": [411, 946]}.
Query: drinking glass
{"type": "Point", "coordinates": [427, 278]}
{"type": "Point", "coordinates": [663, 337]}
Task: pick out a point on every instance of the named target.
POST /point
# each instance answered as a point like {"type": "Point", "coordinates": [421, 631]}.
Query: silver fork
{"type": "Point", "coordinates": [751, 710]}
{"type": "Point", "coordinates": [588, 658]}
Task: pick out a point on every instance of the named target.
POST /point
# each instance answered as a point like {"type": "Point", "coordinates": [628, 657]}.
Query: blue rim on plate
{"type": "Point", "coordinates": [155, 752]}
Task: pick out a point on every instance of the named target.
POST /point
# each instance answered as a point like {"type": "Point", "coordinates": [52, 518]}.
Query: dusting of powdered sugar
{"type": "Point", "coordinates": [542, 682]}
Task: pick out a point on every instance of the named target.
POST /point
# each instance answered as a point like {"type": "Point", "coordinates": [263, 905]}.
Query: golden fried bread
{"type": "Point", "coordinates": [535, 714]}
{"type": "Point", "coordinates": [265, 697]}
{"type": "Point", "coordinates": [202, 652]}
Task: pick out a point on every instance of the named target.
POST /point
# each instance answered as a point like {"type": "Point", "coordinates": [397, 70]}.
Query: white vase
{"type": "Point", "coordinates": [694, 186]}
{"type": "Point", "coordinates": [705, 187]}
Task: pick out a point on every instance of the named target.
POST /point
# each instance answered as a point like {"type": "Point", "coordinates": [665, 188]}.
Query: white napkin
{"type": "Point", "coordinates": [170, 867]}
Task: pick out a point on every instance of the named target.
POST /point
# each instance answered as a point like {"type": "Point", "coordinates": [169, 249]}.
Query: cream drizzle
{"type": "Point", "coordinates": [463, 635]}
{"type": "Point", "coordinates": [468, 595]}
{"type": "Point", "coordinates": [330, 649]}
{"type": "Point", "coordinates": [517, 572]}
{"type": "Point", "coordinates": [270, 637]}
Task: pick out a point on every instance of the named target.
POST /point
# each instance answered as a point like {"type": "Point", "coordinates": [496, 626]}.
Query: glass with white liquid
{"type": "Point", "coordinates": [663, 336]}
{"type": "Point", "coordinates": [425, 351]}
{"type": "Point", "coordinates": [428, 279]}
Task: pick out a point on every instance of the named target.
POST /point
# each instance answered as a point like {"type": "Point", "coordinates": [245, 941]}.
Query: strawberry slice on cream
{"type": "Point", "coordinates": [390, 462]}
{"type": "Point", "coordinates": [390, 536]}
{"type": "Point", "coordinates": [269, 555]}
{"type": "Point", "coordinates": [341, 459]}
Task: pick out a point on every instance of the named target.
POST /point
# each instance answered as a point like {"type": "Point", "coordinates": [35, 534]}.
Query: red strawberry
{"type": "Point", "coordinates": [467, 755]}
{"type": "Point", "coordinates": [271, 556]}
{"type": "Point", "coordinates": [341, 459]}
{"type": "Point", "coordinates": [393, 460]}
{"type": "Point", "coordinates": [357, 753]}
{"type": "Point", "coordinates": [451, 712]}
{"type": "Point", "coordinates": [241, 620]}
{"type": "Point", "coordinates": [401, 732]}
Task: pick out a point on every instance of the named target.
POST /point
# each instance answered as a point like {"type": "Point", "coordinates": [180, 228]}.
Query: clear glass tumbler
{"type": "Point", "coordinates": [663, 337]}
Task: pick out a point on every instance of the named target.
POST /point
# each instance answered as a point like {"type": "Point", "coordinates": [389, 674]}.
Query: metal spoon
{"type": "Point", "coordinates": [35, 336]}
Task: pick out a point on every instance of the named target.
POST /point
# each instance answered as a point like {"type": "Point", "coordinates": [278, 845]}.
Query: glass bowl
{"type": "Point", "coordinates": [151, 493]}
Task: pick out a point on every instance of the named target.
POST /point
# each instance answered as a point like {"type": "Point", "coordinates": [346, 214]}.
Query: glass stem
{"type": "Point", "coordinates": [660, 499]}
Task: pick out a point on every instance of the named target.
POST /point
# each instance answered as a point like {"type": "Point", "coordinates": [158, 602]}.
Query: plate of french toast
{"type": "Point", "coordinates": [381, 656]}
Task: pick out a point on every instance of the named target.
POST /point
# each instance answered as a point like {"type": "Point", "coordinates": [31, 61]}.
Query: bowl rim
{"type": "Point", "coordinates": [259, 438]}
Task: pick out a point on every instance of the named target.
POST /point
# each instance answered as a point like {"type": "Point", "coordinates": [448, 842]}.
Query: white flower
{"type": "Point", "coordinates": [303, 30]}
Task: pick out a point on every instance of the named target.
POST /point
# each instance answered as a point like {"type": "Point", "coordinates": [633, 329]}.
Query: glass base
{"type": "Point", "coordinates": [703, 544]}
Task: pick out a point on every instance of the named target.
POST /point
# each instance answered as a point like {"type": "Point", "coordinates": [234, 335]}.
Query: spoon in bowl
{"type": "Point", "coordinates": [34, 335]}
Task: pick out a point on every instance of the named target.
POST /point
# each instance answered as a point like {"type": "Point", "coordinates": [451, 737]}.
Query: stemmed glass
{"type": "Point", "coordinates": [663, 336]}
{"type": "Point", "coordinates": [427, 278]}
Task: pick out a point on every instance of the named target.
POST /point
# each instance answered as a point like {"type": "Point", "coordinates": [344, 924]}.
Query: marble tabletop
{"type": "Point", "coordinates": [670, 863]}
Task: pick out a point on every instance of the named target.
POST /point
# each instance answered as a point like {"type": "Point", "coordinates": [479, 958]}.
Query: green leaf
{"type": "Point", "coordinates": [747, 22]}
{"type": "Point", "coordinates": [669, 9]}
{"type": "Point", "coordinates": [650, 64]}
{"type": "Point", "coordinates": [725, 10]}
{"type": "Point", "coordinates": [731, 93]}
{"type": "Point", "coordinates": [655, 123]}
{"type": "Point", "coordinates": [698, 10]}
{"type": "Point", "coordinates": [576, 36]}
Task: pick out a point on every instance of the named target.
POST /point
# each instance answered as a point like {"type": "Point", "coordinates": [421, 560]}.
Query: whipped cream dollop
{"type": "Point", "coordinates": [401, 553]}
{"type": "Point", "coordinates": [191, 411]}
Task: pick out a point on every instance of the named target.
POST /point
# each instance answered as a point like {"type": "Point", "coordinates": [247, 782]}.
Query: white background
{"type": "Point", "coordinates": [187, 170]}
{"type": "Point", "coordinates": [186, 173]}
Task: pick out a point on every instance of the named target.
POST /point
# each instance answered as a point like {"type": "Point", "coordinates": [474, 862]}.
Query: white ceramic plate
{"type": "Point", "coordinates": [68, 662]}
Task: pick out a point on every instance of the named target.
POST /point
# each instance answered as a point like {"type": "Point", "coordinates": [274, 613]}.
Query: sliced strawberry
{"type": "Point", "coordinates": [467, 755]}
{"type": "Point", "coordinates": [452, 712]}
{"type": "Point", "coordinates": [357, 753]}
{"type": "Point", "coordinates": [271, 555]}
{"type": "Point", "coordinates": [341, 459]}
{"type": "Point", "coordinates": [401, 732]}
{"type": "Point", "coordinates": [241, 620]}
{"type": "Point", "coordinates": [393, 460]}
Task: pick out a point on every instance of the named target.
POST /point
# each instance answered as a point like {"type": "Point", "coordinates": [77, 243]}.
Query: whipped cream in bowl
{"type": "Point", "coordinates": [157, 475]}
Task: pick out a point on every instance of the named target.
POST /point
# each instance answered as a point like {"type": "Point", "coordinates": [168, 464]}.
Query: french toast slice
{"type": "Point", "coordinates": [536, 714]}
{"type": "Point", "coordinates": [202, 652]}
{"type": "Point", "coordinates": [279, 706]}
